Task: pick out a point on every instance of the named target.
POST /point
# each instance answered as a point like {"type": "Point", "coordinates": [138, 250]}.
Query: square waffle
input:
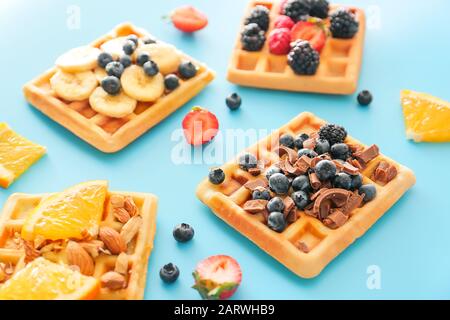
{"type": "Point", "coordinates": [324, 244]}
{"type": "Point", "coordinates": [112, 134]}
{"type": "Point", "coordinates": [12, 253]}
{"type": "Point", "coordinates": [338, 72]}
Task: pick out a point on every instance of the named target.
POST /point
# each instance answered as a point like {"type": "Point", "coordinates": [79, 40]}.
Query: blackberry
{"type": "Point", "coordinates": [303, 59]}
{"type": "Point", "coordinates": [333, 133]}
{"type": "Point", "coordinates": [343, 24]}
{"type": "Point", "coordinates": [319, 8]}
{"type": "Point", "coordinates": [297, 9]}
{"type": "Point", "coordinates": [252, 38]}
{"type": "Point", "coordinates": [260, 16]}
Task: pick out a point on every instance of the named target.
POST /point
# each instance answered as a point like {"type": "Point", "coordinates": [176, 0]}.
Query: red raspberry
{"type": "Point", "coordinates": [280, 41]}
{"type": "Point", "coordinates": [284, 22]}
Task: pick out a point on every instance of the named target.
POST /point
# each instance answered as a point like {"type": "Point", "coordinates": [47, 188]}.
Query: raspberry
{"type": "Point", "coordinates": [280, 41]}
{"type": "Point", "coordinates": [283, 22]}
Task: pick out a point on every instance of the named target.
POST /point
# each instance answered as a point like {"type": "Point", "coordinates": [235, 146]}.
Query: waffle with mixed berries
{"type": "Point", "coordinates": [122, 276]}
{"type": "Point", "coordinates": [264, 66]}
{"type": "Point", "coordinates": [110, 120]}
{"type": "Point", "coordinates": [331, 218]}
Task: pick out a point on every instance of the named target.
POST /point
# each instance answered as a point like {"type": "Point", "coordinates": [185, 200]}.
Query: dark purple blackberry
{"type": "Point", "coordinates": [303, 59]}
{"type": "Point", "coordinates": [260, 16]}
{"type": "Point", "coordinates": [319, 8]}
{"type": "Point", "coordinates": [333, 133]}
{"type": "Point", "coordinates": [252, 37]}
{"type": "Point", "coordinates": [343, 24]}
{"type": "Point", "coordinates": [297, 9]}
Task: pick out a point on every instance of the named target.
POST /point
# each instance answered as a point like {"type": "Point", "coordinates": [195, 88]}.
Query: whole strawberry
{"type": "Point", "coordinates": [283, 21]}
{"type": "Point", "coordinates": [280, 41]}
{"type": "Point", "coordinates": [217, 277]}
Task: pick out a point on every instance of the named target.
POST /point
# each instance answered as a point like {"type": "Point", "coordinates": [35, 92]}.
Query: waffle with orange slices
{"type": "Point", "coordinates": [102, 237]}
{"type": "Point", "coordinates": [72, 95]}
{"type": "Point", "coordinates": [307, 245]}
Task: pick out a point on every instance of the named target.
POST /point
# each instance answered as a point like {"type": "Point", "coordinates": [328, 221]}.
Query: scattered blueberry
{"type": "Point", "coordinates": [300, 139]}
{"type": "Point", "coordinates": [247, 161]}
{"type": "Point", "coordinates": [287, 140]}
{"type": "Point", "coordinates": [357, 181]}
{"type": "Point", "coordinates": [126, 61]}
{"type": "Point", "coordinates": [115, 69]}
{"type": "Point", "coordinates": [325, 170]}
{"type": "Point", "coordinates": [169, 273]}
{"type": "Point", "coordinates": [272, 170]}
{"type": "Point", "coordinates": [142, 58]}
{"type": "Point", "coordinates": [151, 68]}
{"type": "Point", "coordinates": [342, 181]}
{"type": "Point", "coordinates": [365, 98]}
{"type": "Point", "coordinates": [187, 70]}
{"type": "Point", "coordinates": [216, 176]}
{"type": "Point", "coordinates": [261, 194]}
{"type": "Point", "coordinates": [322, 146]}
{"type": "Point", "coordinates": [129, 47]}
{"type": "Point", "coordinates": [275, 204]}
{"type": "Point", "coordinates": [134, 38]}
{"type": "Point", "coordinates": [103, 59]}
{"type": "Point", "coordinates": [369, 192]}
{"type": "Point", "coordinates": [307, 152]}
{"type": "Point", "coordinates": [276, 221]}
{"type": "Point", "coordinates": [111, 85]}
{"type": "Point", "coordinates": [233, 101]}
{"type": "Point", "coordinates": [301, 199]}
{"type": "Point", "coordinates": [340, 151]}
{"type": "Point", "coordinates": [183, 232]}
{"type": "Point", "coordinates": [171, 82]}
{"type": "Point", "coordinates": [279, 183]}
{"type": "Point", "coordinates": [301, 183]}
{"type": "Point", "coordinates": [148, 40]}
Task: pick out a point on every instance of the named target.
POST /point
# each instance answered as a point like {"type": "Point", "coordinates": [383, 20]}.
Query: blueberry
{"type": "Point", "coordinates": [233, 101]}
{"type": "Point", "coordinates": [322, 146]}
{"type": "Point", "coordinates": [301, 199]}
{"type": "Point", "coordinates": [142, 58]}
{"type": "Point", "coordinates": [171, 82]}
{"type": "Point", "coordinates": [183, 232]}
{"type": "Point", "coordinates": [129, 47]}
{"type": "Point", "coordinates": [276, 221]}
{"type": "Point", "coordinates": [148, 40]}
{"type": "Point", "coordinates": [287, 140]}
{"type": "Point", "coordinates": [275, 204]}
{"type": "Point", "coordinates": [307, 152]}
{"type": "Point", "coordinates": [115, 69]}
{"type": "Point", "coordinates": [342, 181]}
{"type": "Point", "coordinates": [279, 183]}
{"type": "Point", "coordinates": [325, 170]}
{"type": "Point", "coordinates": [216, 176]}
{"type": "Point", "coordinates": [272, 170]}
{"type": "Point", "coordinates": [169, 273]}
{"type": "Point", "coordinates": [111, 85]}
{"type": "Point", "coordinates": [300, 139]}
{"type": "Point", "coordinates": [151, 68]}
{"type": "Point", "coordinates": [365, 98]}
{"type": "Point", "coordinates": [134, 38]}
{"type": "Point", "coordinates": [369, 192]}
{"type": "Point", "coordinates": [187, 70]}
{"type": "Point", "coordinates": [103, 59]}
{"type": "Point", "coordinates": [340, 151]}
{"type": "Point", "coordinates": [126, 61]}
{"type": "Point", "coordinates": [247, 161]}
{"type": "Point", "coordinates": [357, 181]}
{"type": "Point", "coordinates": [301, 183]}
{"type": "Point", "coordinates": [261, 194]}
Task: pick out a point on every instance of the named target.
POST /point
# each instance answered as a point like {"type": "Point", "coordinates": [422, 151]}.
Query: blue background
{"type": "Point", "coordinates": [410, 243]}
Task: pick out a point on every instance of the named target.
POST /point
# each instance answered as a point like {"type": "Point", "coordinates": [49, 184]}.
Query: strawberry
{"type": "Point", "coordinates": [200, 126]}
{"type": "Point", "coordinates": [188, 19]}
{"type": "Point", "coordinates": [311, 31]}
{"type": "Point", "coordinates": [280, 41]}
{"type": "Point", "coordinates": [283, 22]}
{"type": "Point", "coordinates": [217, 277]}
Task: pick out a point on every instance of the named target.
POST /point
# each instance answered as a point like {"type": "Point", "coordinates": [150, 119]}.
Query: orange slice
{"type": "Point", "coordinates": [71, 214]}
{"type": "Point", "coordinates": [17, 154]}
{"type": "Point", "coordinates": [45, 280]}
{"type": "Point", "coordinates": [427, 118]}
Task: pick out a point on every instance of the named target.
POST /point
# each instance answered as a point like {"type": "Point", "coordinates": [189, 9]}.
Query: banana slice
{"type": "Point", "coordinates": [79, 59]}
{"type": "Point", "coordinates": [117, 106]}
{"type": "Point", "coordinates": [100, 74]}
{"type": "Point", "coordinates": [141, 87]}
{"type": "Point", "coordinates": [73, 86]}
{"type": "Point", "coordinates": [166, 56]}
{"type": "Point", "coordinates": [114, 47]}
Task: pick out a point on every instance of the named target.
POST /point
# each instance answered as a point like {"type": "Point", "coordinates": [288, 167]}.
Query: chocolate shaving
{"type": "Point", "coordinates": [384, 172]}
{"type": "Point", "coordinates": [287, 167]}
{"type": "Point", "coordinates": [292, 216]}
{"type": "Point", "coordinates": [350, 169]}
{"type": "Point", "coordinates": [324, 208]}
{"type": "Point", "coordinates": [318, 193]}
{"type": "Point", "coordinates": [335, 219]}
{"type": "Point", "coordinates": [354, 201]}
{"type": "Point", "coordinates": [322, 205]}
{"type": "Point", "coordinates": [355, 147]}
{"type": "Point", "coordinates": [253, 184]}
{"type": "Point", "coordinates": [368, 154]}
{"type": "Point", "coordinates": [303, 164]}
{"type": "Point", "coordinates": [291, 153]}
{"type": "Point", "coordinates": [289, 204]}
{"type": "Point", "coordinates": [254, 171]}
{"type": "Point", "coordinates": [310, 143]}
{"type": "Point", "coordinates": [314, 181]}
{"type": "Point", "coordinates": [255, 206]}
{"type": "Point", "coordinates": [356, 164]}
{"type": "Point", "coordinates": [302, 247]}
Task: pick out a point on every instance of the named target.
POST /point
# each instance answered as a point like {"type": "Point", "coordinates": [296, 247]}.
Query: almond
{"type": "Point", "coordinates": [113, 280]}
{"type": "Point", "coordinates": [130, 206]}
{"type": "Point", "coordinates": [130, 229]}
{"type": "Point", "coordinates": [92, 247]}
{"type": "Point", "coordinates": [121, 215]}
{"type": "Point", "coordinates": [77, 256]}
{"type": "Point", "coordinates": [112, 240]}
{"type": "Point", "coordinates": [122, 264]}
{"type": "Point", "coordinates": [117, 201]}
{"type": "Point", "coordinates": [30, 252]}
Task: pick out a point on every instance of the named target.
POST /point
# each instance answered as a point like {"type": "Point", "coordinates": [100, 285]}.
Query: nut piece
{"type": "Point", "coordinates": [113, 280]}
{"type": "Point", "coordinates": [131, 228]}
{"type": "Point", "coordinates": [30, 252]}
{"type": "Point", "coordinates": [92, 247]}
{"type": "Point", "coordinates": [3, 275]}
{"type": "Point", "coordinates": [77, 256]}
{"type": "Point", "coordinates": [121, 215]}
{"type": "Point", "coordinates": [130, 206]}
{"type": "Point", "coordinates": [112, 240]}
{"type": "Point", "coordinates": [117, 201]}
{"type": "Point", "coordinates": [122, 264]}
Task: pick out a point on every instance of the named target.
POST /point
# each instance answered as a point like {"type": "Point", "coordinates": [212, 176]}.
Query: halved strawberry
{"type": "Point", "coordinates": [217, 277]}
{"type": "Point", "coordinates": [188, 19]}
{"type": "Point", "coordinates": [200, 126]}
{"type": "Point", "coordinates": [313, 32]}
